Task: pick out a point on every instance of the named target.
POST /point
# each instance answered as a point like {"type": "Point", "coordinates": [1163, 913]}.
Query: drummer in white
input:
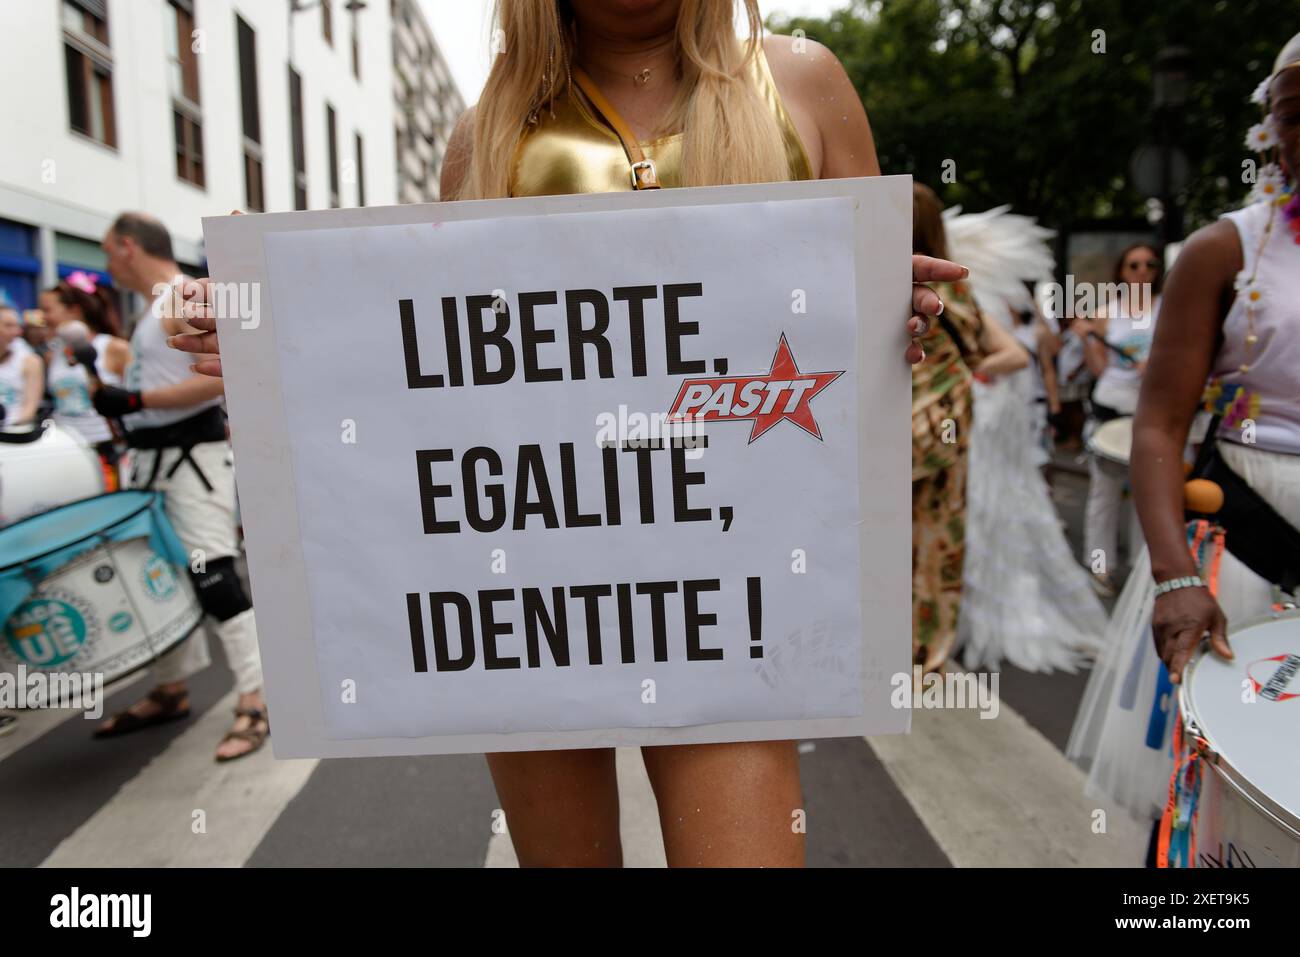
{"type": "Point", "coordinates": [1117, 343]}
{"type": "Point", "coordinates": [174, 420]}
{"type": "Point", "coordinates": [21, 373]}
{"type": "Point", "coordinates": [1235, 293]}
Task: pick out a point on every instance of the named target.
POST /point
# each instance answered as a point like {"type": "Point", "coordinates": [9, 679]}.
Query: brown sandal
{"type": "Point", "coordinates": [170, 709]}
{"type": "Point", "coordinates": [255, 735]}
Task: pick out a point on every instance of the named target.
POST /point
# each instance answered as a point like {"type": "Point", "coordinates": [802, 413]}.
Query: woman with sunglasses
{"type": "Point", "coordinates": [594, 96]}
{"type": "Point", "coordinates": [1117, 343]}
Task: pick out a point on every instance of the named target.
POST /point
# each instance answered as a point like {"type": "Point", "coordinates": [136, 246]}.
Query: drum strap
{"type": "Point", "coordinates": [209, 425]}
{"type": "Point", "coordinates": [1176, 844]}
{"type": "Point", "coordinates": [184, 457]}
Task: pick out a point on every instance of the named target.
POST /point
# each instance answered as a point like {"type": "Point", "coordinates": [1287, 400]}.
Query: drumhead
{"type": "Point", "coordinates": [1248, 709]}
{"type": "Point", "coordinates": [1114, 439]}
{"type": "Point", "coordinates": [43, 468]}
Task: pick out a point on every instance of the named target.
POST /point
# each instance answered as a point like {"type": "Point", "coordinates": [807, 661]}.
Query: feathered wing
{"type": "Point", "coordinates": [1003, 250]}
{"type": "Point", "coordinates": [1025, 600]}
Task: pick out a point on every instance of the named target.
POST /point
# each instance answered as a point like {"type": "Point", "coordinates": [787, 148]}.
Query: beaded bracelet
{"type": "Point", "coordinates": [1173, 584]}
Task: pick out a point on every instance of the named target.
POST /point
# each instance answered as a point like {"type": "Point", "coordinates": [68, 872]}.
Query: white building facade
{"type": "Point", "coordinates": [428, 104]}
{"type": "Point", "coordinates": [184, 109]}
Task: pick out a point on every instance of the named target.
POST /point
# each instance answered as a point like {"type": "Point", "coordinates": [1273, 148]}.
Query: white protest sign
{"type": "Point", "coordinates": [576, 471]}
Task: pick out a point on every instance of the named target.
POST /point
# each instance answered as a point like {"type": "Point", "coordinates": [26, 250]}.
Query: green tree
{"type": "Point", "coordinates": [1043, 104]}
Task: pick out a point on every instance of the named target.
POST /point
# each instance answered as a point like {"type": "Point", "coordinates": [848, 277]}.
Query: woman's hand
{"type": "Point", "coordinates": [925, 301]}
{"type": "Point", "coordinates": [1180, 620]}
{"type": "Point", "coordinates": [196, 310]}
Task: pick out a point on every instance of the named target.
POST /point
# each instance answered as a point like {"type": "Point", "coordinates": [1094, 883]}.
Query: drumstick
{"type": "Point", "coordinates": [95, 384]}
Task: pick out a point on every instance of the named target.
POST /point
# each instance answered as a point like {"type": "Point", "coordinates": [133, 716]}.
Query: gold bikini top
{"type": "Point", "coordinates": [576, 151]}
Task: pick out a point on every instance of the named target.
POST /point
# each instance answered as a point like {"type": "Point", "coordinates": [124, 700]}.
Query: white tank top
{"type": "Point", "coordinates": [1272, 384]}
{"type": "Point", "coordinates": [154, 365]}
{"type": "Point", "coordinates": [12, 387]}
{"type": "Point", "coordinates": [70, 387]}
{"type": "Point", "coordinates": [1120, 381]}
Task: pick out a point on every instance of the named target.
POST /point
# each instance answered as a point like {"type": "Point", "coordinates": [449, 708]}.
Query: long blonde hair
{"type": "Point", "coordinates": [730, 136]}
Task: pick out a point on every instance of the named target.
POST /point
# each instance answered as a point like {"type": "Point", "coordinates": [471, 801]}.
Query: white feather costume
{"type": "Point", "coordinates": [1024, 597]}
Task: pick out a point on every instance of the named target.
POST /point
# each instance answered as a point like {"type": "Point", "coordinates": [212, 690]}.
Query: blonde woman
{"type": "Point", "coordinates": [700, 106]}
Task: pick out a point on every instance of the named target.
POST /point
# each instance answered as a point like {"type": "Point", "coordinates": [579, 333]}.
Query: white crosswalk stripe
{"type": "Point", "coordinates": [996, 793]}
{"type": "Point", "coordinates": [152, 821]}
{"type": "Point", "coordinates": [989, 792]}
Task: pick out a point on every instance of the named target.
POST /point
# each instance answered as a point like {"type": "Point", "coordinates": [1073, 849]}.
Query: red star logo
{"type": "Point", "coordinates": [782, 393]}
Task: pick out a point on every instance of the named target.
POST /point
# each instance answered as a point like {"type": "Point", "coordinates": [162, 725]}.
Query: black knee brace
{"type": "Point", "coordinates": [221, 593]}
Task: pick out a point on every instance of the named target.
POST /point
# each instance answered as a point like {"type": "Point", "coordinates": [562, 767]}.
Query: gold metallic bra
{"type": "Point", "coordinates": [576, 151]}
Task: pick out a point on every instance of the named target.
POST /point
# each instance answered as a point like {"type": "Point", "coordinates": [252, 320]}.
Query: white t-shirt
{"type": "Point", "coordinates": [1120, 381]}
{"type": "Point", "coordinates": [12, 386]}
{"type": "Point", "coordinates": [70, 386]}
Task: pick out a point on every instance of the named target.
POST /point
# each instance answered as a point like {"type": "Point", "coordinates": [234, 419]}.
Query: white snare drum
{"type": "Point", "coordinates": [87, 589]}
{"type": "Point", "coordinates": [1247, 711]}
{"type": "Point", "coordinates": [1111, 444]}
{"type": "Point", "coordinates": [43, 468]}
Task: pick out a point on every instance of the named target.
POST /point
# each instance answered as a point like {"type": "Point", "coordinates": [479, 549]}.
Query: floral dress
{"type": "Point", "coordinates": [941, 426]}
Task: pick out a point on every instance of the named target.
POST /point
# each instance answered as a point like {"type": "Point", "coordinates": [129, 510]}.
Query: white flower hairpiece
{"type": "Point", "coordinates": [1269, 183]}
{"type": "Point", "coordinates": [1262, 136]}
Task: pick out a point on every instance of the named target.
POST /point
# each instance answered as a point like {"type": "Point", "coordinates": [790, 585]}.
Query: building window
{"type": "Point", "coordinates": [253, 196]}
{"type": "Point", "coordinates": [20, 267]}
{"type": "Point", "coordinates": [183, 73]}
{"type": "Point", "coordinates": [298, 141]}
{"type": "Point", "coordinates": [361, 172]}
{"type": "Point", "coordinates": [89, 65]}
{"type": "Point", "coordinates": [327, 22]}
{"type": "Point", "coordinates": [331, 133]}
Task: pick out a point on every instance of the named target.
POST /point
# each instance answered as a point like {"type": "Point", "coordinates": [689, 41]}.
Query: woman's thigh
{"type": "Point", "coordinates": [729, 805]}
{"type": "Point", "coordinates": [561, 807]}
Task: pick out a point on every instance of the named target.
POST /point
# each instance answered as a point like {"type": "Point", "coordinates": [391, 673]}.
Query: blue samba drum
{"type": "Point", "coordinates": [97, 586]}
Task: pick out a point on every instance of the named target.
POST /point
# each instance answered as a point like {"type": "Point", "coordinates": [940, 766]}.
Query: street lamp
{"type": "Point", "coordinates": [1173, 77]}
{"type": "Point", "coordinates": [1172, 81]}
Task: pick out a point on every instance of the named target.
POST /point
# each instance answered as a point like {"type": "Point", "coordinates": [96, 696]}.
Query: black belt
{"type": "Point", "coordinates": [206, 426]}
{"type": "Point", "coordinates": [1257, 535]}
{"type": "Point", "coordinates": [1104, 413]}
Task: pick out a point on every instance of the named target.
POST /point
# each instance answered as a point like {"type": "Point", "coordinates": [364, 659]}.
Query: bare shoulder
{"type": "Point", "coordinates": [804, 69]}
{"type": "Point", "coordinates": [1211, 257]}
{"type": "Point", "coordinates": [824, 105]}
{"type": "Point", "coordinates": [456, 161]}
{"type": "Point", "coordinates": [1220, 240]}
